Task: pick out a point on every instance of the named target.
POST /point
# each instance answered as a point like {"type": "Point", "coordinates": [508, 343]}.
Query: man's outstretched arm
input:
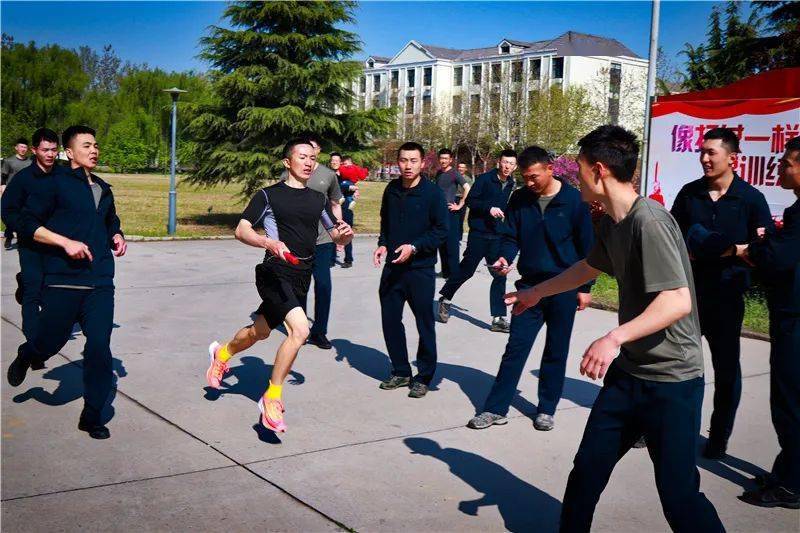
{"type": "Point", "coordinates": [575, 276]}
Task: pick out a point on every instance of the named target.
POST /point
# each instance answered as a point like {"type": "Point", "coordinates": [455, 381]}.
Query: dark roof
{"type": "Point", "coordinates": [570, 43]}
{"type": "Point", "coordinates": [381, 59]}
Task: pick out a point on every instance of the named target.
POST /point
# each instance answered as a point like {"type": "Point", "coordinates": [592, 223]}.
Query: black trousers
{"type": "Point", "coordinates": [668, 414]}
{"type": "Point", "coordinates": [479, 248]}
{"type": "Point", "coordinates": [32, 279]}
{"type": "Point", "coordinates": [415, 286]}
{"type": "Point", "coordinates": [450, 249]}
{"type": "Point", "coordinates": [784, 398]}
{"type": "Point", "coordinates": [721, 316]}
{"type": "Point", "coordinates": [93, 309]}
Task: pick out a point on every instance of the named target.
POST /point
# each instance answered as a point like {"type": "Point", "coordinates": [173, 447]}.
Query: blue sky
{"type": "Point", "coordinates": [165, 34]}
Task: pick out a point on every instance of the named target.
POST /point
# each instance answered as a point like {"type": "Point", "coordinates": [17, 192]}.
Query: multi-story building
{"type": "Point", "coordinates": [422, 78]}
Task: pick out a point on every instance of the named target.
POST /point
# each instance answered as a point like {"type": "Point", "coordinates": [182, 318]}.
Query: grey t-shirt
{"type": "Point", "coordinates": [323, 180]}
{"type": "Point", "coordinates": [646, 253]}
{"type": "Point", "coordinates": [97, 191]}
{"type": "Point", "coordinates": [544, 201]}
{"type": "Point", "coordinates": [449, 182]}
{"type": "Point", "coordinates": [12, 165]}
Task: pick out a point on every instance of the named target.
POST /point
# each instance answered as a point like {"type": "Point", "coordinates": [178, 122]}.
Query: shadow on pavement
{"type": "Point", "coordinates": [459, 312]}
{"type": "Point", "coordinates": [69, 378]}
{"type": "Point", "coordinates": [577, 391]}
{"type": "Point", "coordinates": [729, 468]}
{"type": "Point", "coordinates": [252, 378]}
{"type": "Point", "coordinates": [522, 506]}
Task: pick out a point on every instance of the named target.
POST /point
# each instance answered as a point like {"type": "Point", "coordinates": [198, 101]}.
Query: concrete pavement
{"type": "Point", "coordinates": [185, 457]}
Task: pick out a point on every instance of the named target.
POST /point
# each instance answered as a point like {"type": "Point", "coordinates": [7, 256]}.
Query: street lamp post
{"type": "Point", "coordinates": [175, 93]}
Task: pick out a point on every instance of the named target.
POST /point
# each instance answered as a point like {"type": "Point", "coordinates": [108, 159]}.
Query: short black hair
{"type": "Point", "coordinates": [312, 137]}
{"type": "Point", "coordinates": [410, 145]}
{"type": "Point", "coordinates": [508, 152]}
{"type": "Point", "coordinates": [793, 145]}
{"type": "Point", "coordinates": [533, 155]}
{"type": "Point", "coordinates": [336, 154]}
{"type": "Point", "coordinates": [73, 131]}
{"type": "Point", "coordinates": [289, 146]}
{"type": "Point", "coordinates": [615, 147]}
{"type": "Point", "coordinates": [728, 137]}
{"type": "Point", "coordinates": [44, 134]}
{"type": "Point", "coordinates": [446, 151]}
{"type": "Point", "coordinates": [21, 140]}
{"type": "Point", "coordinates": [347, 158]}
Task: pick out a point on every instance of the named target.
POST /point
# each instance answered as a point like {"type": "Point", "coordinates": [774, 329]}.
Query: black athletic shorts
{"type": "Point", "coordinates": [281, 290]}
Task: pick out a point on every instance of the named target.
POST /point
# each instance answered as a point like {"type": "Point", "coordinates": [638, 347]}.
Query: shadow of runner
{"type": "Point", "coordinates": [69, 378]}
{"type": "Point", "coordinates": [577, 391]}
{"type": "Point", "coordinates": [728, 468]}
{"type": "Point", "coordinates": [252, 378]}
{"type": "Point", "coordinates": [522, 506]}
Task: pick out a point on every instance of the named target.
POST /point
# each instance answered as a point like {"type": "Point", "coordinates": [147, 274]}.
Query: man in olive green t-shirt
{"type": "Point", "coordinates": [652, 362]}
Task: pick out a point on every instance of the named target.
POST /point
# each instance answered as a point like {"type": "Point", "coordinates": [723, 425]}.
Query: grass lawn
{"type": "Point", "coordinates": [142, 203]}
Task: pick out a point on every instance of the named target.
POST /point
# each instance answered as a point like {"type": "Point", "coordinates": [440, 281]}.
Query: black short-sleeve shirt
{"type": "Point", "coordinates": [291, 215]}
{"type": "Point", "coordinates": [449, 182]}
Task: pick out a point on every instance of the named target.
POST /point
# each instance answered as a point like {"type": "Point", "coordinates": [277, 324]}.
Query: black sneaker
{"type": "Point", "coordinates": [418, 390]}
{"type": "Point", "coordinates": [444, 310]}
{"type": "Point", "coordinates": [19, 368]}
{"type": "Point", "coordinates": [94, 429]}
{"type": "Point", "coordinates": [774, 496]}
{"type": "Point", "coordinates": [715, 449]}
{"type": "Point", "coordinates": [395, 382]}
{"type": "Point", "coordinates": [347, 264]}
{"type": "Point", "coordinates": [500, 325]}
{"type": "Point", "coordinates": [320, 341]}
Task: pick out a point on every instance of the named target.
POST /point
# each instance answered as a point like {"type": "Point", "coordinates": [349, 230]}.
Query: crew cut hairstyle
{"type": "Point", "coordinates": [21, 140]}
{"type": "Point", "coordinates": [408, 146]}
{"type": "Point", "coordinates": [44, 134]}
{"type": "Point", "coordinates": [312, 137]}
{"type": "Point", "coordinates": [73, 131]}
{"type": "Point", "coordinates": [508, 152]}
{"type": "Point", "coordinates": [533, 155]}
{"type": "Point", "coordinates": [615, 147]}
{"type": "Point", "coordinates": [336, 154]}
{"type": "Point", "coordinates": [793, 148]}
{"type": "Point", "coordinates": [446, 151]}
{"type": "Point", "coordinates": [289, 146]}
{"type": "Point", "coordinates": [728, 137]}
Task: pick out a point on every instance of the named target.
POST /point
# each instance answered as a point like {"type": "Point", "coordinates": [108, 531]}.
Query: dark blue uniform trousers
{"type": "Point", "coordinates": [479, 249]}
{"type": "Point", "coordinates": [668, 414]}
{"type": "Point", "coordinates": [721, 314]}
{"type": "Point", "coordinates": [415, 286]}
{"type": "Point", "coordinates": [32, 279]}
{"type": "Point", "coordinates": [323, 287]}
{"type": "Point", "coordinates": [347, 214]}
{"type": "Point", "coordinates": [558, 312]}
{"type": "Point", "coordinates": [450, 249]}
{"type": "Point", "coordinates": [93, 309]}
{"type": "Point", "coordinates": [784, 397]}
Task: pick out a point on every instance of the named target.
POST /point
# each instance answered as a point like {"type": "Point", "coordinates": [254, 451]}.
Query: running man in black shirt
{"type": "Point", "coordinates": [290, 213]}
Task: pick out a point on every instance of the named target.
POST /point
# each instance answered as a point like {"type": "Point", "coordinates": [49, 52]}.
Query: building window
{"type": "Point", "coordinates": [410, 77]}
{"type": "Point", "coordinates": [376, 83]}
{"type": "Point", "coordinates": [363, 85]}
{"type": "Point", "coordinates": [376, 102]}
{"type": "Point", "coordinates": [558, 68]}
{"type": "Point", "coordinates": [393, 101]}
{"type": "Point", "coordinates": [427, 75]}
{"type": "Point", "coordinates": [505, 49]}
{"type": "Point", "coordinates": [409, 105]}
{"type": "Point", "coordinates": [458, 76]}
{"type": "Point", "coordinates": [370, 63]}
{"type": "Point", "coordinates": [477, 72]}
{"type": "Point", "coordinates": [494, 103]}
{"type": "Point", "coordinates": [475, 104]}
{"type": "Point", "coordinates": [536, 69]}
{"type": "Point", "coordinates": [615, 79]}
{"type": "Point", "coordinates": [513, 100]}
{"type": "Point", "coordinates": [395, 79]}
{"type": "Point", "coordinates": [613, 110]}
{"type": "Point", "coordinates": [497, 70]}
{"type": "Point", "coordinates": [458, 104]}
{"type": "Point", "coordinates": [516, 71]}
{"type": "Point", "coordinates": [426, 104]}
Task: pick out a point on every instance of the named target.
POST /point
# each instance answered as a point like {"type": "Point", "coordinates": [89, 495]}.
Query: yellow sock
{"type": "Point", "coordinates": [274, 391]}
{"type": "Point", "coordinates": [223, 354]}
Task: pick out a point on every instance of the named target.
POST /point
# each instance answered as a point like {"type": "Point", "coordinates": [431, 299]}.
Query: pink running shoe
{"type": "Point", "coordinates": [272, 414]}
{"type": "Point", "coordinates": [217, 370]}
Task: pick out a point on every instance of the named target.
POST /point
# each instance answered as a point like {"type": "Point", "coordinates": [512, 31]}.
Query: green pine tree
{"type": "Point", "coordinates": [282, 69]}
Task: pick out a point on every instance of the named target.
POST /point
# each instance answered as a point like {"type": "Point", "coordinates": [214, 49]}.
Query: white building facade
{"type": "Point", "coordinates": [422, 78]}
